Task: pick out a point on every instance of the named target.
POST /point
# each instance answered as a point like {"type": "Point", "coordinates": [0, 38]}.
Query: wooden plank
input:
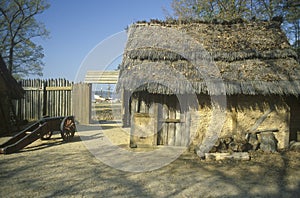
{"type": "Point", "coordinates": [33, 88]}
{"type": "Point", "coordinates": [143, 107]}
{"type": "Point", "coordinates": [55, 100]}
{"type": "Point", "coordinates": [165, 115]}
{"type": "Point", "coordinates": [160, 134]}
{"type": "Point", "coordinates": [171, 128]}
{"type": "Point", "coordinates": [260, 120]}
{"type": "Point", "coordinates": [81, 95]}
{"type": "Point", "coordinates": [101, 81]}
{"type": "Point", "coordinates": [100, 74]}
{"type": "Point", "coordinates": [156, 123]}
{"type": "Point", "coordinates": [134, 106]}
{"type": "Point", "coordinates": [178, 132]}
{"type": "Point", "coordinates": [102, 77]}
{"type": "Point", "coordinates": [125, 98]}
{"type": "Point", "coordinates": [97, 72]}
{"type": "Point", "coordinates": [133, 139]}
{"type": "Point", "coordinates": [54, 88]}
{"type": "Point", "coordinates": [174, 120]}
{"type": "Point", "coordinates": [187, 127]}
{"type": "Point", "coordinates": [223, 156]}
{"type": "Point", "coordinates": [159, 124]}
{"type": "Point", "coordinates": [107, 77]}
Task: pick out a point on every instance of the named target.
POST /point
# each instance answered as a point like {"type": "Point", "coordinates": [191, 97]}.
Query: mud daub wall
{"type": "Point", "coordinates": [243, 114]}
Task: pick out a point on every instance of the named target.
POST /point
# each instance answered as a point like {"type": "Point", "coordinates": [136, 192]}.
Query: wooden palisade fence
{"type": "Point", "coordinates": [54, 97]}
{"type": "Point", "coordinates": [45, 98]}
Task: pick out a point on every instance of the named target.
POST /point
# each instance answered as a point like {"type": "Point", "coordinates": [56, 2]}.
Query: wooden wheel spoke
{"type": "Point", "coordinates": [69, 125]}
{"type": "Point", "coordinates": [68, 129]}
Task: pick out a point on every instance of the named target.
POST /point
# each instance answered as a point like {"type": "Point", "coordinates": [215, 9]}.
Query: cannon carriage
{"type": "Point", "coordinates": [41, 129]}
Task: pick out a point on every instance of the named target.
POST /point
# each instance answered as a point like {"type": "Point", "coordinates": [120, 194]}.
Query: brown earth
{"type": "Point", "coordinates": [56, 169]}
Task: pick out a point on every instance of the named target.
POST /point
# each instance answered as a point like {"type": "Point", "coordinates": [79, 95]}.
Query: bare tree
{"type": "Point", "coordinates": [18, 27]}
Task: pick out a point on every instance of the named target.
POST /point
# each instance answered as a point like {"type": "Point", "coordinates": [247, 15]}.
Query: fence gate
{"type": "Point", "coordinates": [81, 102]}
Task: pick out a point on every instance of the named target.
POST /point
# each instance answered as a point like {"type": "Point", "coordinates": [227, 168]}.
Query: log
{"type": "Point", "coordinates": [223, 156]}
{"type": "Point", "coordinates": [228, 140]}
{"type": "Point", "coordinates": [267, 130]}
{"type": "Point", "coordinates": [233, 146]}
{"type": "Point", "coordinates": [217, 143]}
{"type": "Point", "coordinates": [260, 120]}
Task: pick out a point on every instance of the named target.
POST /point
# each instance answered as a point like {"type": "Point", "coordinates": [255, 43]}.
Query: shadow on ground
{"type": "Point", "coordinates": [57, 169]}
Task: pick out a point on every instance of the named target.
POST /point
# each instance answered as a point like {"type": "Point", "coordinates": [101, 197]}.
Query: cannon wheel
{"type": "Point", "coordinates": [47, 135]}
{"type": "Point", "coordinates": [67, 128]}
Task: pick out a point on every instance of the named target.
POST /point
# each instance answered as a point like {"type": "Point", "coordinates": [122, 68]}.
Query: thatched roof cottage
{"type": "Point", "coordinates": [189, 83]}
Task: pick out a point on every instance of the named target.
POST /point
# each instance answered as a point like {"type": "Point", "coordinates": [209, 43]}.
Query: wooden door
{"type": "Point", "coordinates": [173, 123]}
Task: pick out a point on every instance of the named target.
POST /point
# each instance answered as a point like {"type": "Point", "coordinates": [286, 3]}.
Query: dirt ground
{"type": "Point", "coordinates": [56, 169]}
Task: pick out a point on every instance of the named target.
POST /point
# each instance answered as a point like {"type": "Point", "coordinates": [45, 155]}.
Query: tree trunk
{"type": "Point", "coordinates": [10, 59]}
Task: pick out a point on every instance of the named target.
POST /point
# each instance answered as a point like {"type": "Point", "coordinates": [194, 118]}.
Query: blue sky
{"type": "Point", "coordinates": [78, 26]}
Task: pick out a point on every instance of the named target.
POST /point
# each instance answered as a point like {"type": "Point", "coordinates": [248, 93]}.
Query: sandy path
{"type": "Point", "coordinates": [56, 169]}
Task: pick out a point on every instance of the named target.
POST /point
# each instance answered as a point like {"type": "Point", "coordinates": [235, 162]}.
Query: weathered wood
{"type": "Point", "coordinates": [39, 129]}
{"type": "Point", "coordinates": [142, 130]}
{"type": "Point", "coordinates": [223, 156]}
{"type": "Point", "coordinates": [178, 134]}
{"type": "Point", "coordinates": [183, 130]}
{"type": "Point", "coordinates": [125, 108]}
{"type": "Point", "coordinates": [169, 120]}
{"type": "Point", "coordinates": [82, 102]}
{"type": "Point", "coordinates": [68, 88]}
{"type": "Point", "coordinates": [266, 130]}
{"type": "Point", "coordinates": [102, 77]}
{"type": "Point", "coordinates": [134, 106]}
{"type": "Point", "coordinates": [187, 127]}
{"type": "Point", "coordinates": [171, 128]}
{"type": "Point", "coordinates": [165, 125]}
{"type": "Point", "coordinates": [159, 124]}
{"type": "Point", "coordinates": [143, 107]}
{"type": "Point", "coordinates": [156, 123]}
{"type": "Point", "coordinates": [133, 110]}
{"type": "Point", "coordinates": [260, 120]}
{"type": "Point", "coordinates": [33, 88]}
{"type": "Point", "coordinates": [44, 97]}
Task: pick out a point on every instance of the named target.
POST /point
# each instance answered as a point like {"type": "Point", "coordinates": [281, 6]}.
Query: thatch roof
{"type": "Point", "coordinates": [8, 85]}
{"type": "Point", "coordinates": [212, 58]}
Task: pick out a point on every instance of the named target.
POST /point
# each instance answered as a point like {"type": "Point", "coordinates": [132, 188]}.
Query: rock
{"type": "Point", "coordinates": [268, 142]}
{"type": "Point", "coordinates": [252, 139]}
{"type": "Point", "coordinates": [233, 146]}
{"type": "Point", "coordinates": [222, 148]}
{"type": "Point", "coordinates": [246, 147]}
{"type": "Point", "coordinates": [295, 146]}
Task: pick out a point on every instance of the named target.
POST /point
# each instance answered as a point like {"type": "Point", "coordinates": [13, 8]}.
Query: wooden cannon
{"type": "Point", "coordinates": [41, 129]}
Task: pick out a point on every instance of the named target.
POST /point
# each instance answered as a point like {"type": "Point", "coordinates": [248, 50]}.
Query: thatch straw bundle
{"type": "Point", "coordinates": [199, 57]}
